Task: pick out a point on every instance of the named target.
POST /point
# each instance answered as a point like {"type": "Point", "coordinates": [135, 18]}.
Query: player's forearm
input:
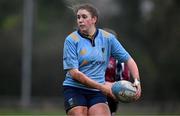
{"type": "Point", "coordinates": [133, 69]}
{"type": "Point", "coordinates": [82, 78]}
{"type": "Point", "coordinates": [135, 74]}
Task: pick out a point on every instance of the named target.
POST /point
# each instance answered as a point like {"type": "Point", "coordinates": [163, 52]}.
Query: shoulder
{"type": "Point", "coordinates": [106, 34]}
{"type": "Point", "coordinates": [73, 37]}
{"type": "Point", "coordinates": [110, 37]}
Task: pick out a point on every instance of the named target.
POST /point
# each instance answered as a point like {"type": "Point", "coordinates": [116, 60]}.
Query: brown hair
{"type": "Point", "coordinates": [90, 8]}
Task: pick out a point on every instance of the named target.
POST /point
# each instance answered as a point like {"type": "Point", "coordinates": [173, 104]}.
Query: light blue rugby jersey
{"type": "Point", "coordinates": [90, 57]}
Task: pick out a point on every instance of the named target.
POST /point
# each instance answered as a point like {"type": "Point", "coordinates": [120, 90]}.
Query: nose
{"type": "Point", "coordinates": [80, 20]}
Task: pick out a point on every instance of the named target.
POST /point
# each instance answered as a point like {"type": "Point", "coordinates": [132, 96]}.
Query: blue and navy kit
{"type": "Point", "coordinates": [91, 56]}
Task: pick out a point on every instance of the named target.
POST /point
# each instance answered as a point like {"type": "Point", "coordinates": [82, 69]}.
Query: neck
{"type": "Point", "coordinates": [88, 36]}
{"type": "Point", "coordinates": [90, 32]}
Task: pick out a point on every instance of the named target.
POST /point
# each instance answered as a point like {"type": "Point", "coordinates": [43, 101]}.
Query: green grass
{"type": "Point", "coordinates": [17, 112]}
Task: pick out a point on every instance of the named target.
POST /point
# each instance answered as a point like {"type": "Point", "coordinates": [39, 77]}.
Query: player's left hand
{"type": "Point", "coordinates": [137, 84]}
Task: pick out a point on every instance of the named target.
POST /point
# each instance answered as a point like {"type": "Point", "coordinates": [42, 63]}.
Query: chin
{"type": "Point", "coordinates": [83, 30]}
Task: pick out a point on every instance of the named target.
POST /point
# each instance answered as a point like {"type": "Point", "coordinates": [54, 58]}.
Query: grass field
{"type": "Point", "coordinates": [123, 111]}
{"type": "Point", "coordinates": [12, 112]}
{"type": "Point", "coordinates": [55, 108]}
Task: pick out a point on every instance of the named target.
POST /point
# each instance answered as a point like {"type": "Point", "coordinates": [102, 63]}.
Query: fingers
{"type": "Point", "coordinates": [112, 95]}
{"type": "Point", "coordinates": [138, 93]}
{"type": "Point", "coordinates": [107, 90]}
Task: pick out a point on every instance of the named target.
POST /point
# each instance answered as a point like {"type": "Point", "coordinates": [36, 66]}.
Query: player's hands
{"type": "Point", "coordinates": [137, 84]}
{"type": "Point", "coordinates": [107, 89]}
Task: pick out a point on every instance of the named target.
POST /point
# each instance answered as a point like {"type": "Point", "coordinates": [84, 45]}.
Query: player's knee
{"type": "Point", "coordinates": [78, 111]}
{"type": "Point", "coordinates": [100, 109]}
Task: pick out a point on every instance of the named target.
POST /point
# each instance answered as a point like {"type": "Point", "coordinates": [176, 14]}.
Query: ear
{"type": "Point", "coordinates": [94, 19]}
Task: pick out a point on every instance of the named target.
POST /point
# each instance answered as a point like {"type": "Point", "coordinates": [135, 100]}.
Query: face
{"type": "Point", "coordinates": [85, 21]}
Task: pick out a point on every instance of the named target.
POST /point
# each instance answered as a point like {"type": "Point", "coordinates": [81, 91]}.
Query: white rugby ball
{"type": "Point", "coordinates": [124, 91]}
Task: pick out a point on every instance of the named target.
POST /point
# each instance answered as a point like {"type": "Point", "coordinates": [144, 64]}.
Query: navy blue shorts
{"type": "Point", "coordinates": [74, 96]}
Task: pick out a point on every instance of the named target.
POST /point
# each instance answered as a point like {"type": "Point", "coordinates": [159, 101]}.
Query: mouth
{"type": "Point", "coordinates": [82, 27]}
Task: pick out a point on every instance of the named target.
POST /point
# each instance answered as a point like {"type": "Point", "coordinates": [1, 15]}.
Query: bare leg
{"type": "Point", "coordinates": [100, 109]}
{"type": "Point", "coordinates": [78, 111]}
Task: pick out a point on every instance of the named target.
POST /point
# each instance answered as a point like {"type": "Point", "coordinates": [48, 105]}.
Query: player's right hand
{"type": "Point", "coordinates": [107, 89]}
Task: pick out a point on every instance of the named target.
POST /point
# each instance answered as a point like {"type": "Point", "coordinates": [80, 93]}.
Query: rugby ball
{"type": "Point", "coordinates": [124, 91]}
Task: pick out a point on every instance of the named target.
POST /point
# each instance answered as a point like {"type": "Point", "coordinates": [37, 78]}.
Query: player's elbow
{"type": "Point", "coordinates": [77, 75]}
{"type": "Point", "coordinates": [73, 72]}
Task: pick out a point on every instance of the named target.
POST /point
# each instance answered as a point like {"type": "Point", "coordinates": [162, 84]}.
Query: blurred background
{"type": "Point", "coordinates": [32, 34]}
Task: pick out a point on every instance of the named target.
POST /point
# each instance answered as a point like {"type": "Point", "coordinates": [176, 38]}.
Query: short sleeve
{"type": "Point", "coordinates": [118, 51]}
{"type": "Point", "coordinates": [70, 59]}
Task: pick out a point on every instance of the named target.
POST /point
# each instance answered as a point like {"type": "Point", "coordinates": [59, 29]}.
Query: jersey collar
{"type": "Point", "coordinates": [89, 37]}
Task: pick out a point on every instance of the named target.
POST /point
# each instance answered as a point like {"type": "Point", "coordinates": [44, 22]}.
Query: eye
{"type": "Point", "coordinates": [78, 17]}
{"type": "Point", "coordinates": [84, 16]}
